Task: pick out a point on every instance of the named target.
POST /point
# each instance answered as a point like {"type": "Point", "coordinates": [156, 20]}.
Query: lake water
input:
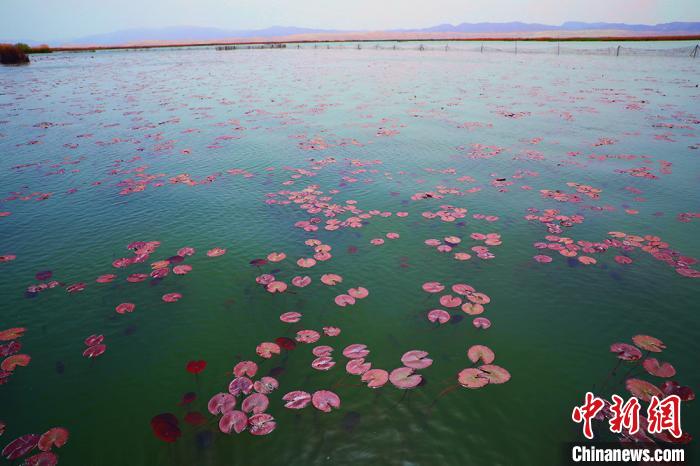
{"type": "Point", "coordinates": [212, 149]}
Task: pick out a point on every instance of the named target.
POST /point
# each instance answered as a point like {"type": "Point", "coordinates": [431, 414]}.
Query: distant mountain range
{"type": "Point", "coordinates": [184, 34]}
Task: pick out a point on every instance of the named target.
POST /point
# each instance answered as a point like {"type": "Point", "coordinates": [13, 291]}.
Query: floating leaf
{"type": "Point", "coordinates": [649, 343]}
{"type": "Point", "coordinates": [643, 389]}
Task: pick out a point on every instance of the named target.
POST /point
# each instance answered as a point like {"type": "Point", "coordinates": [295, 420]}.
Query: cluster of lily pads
{"type": "Point", "coordinates": [449, 243]}
{"type": "Point", "coordinates": [473, 304]}
{"type": "Point", "coordinates": [25, 444]}
{"type": "Point", "coordinates": [486, 373]}
{"type": "Point", "coordinates": [10, 352]}
{"type": "Point", "coordinates": [635, 358]}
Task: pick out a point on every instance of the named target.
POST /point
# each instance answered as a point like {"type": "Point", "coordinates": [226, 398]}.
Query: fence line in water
{"type": "Point", "coordinates": [692, 51]}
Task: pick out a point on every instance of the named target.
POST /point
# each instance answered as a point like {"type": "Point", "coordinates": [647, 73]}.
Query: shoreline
{"type": "Point", "coordinates": [418, 39]}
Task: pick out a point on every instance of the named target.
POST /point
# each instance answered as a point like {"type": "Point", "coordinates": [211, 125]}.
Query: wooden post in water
{"type": "Point", "coordinates": [482, 47]}
{"type": "Point", "coordinates": [617, 54]}
{"type": "Point", "coordinates": [695, 51]}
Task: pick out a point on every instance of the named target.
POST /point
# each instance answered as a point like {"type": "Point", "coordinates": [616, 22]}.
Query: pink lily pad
{"type": "Point", "coordinates": [472, 378]}
{"type": "Point", "coordinates": [266, 385]}
{"type": "Point", "coordinates": [221, 403]}
{"type": "Point", "coordinates": [290, 317]}
{"type": "Point", "coordinates": [125, 307]}
{"type": "Point", "coordinates": [355, 351]}
{"type": "Point", "coordinates": [481, 352]}
{"type": "Point", "coordinates": [182, 269]}
{"type": "Point", "coordinates": [375, 378]}
{"type": "Point", "coordinates": [358, 293]}
{"type": "Point", "coordinates": [323, 363]}
{"type": "Point", "coordinates": [343, 300]}
{"type": "Point", "coordinates": [301, 282]}
{"type": "Point", "coordinates": [255, 403]}
{"type": "Point", "coordinates": [325, 400]}
{"type": "Point", "coordinates": [433, 287]}
{"type": "Point", "coordinates": [297, 399]}
{"type": "Point", "coordinates": [450, 301]}
{"type": "Point", "coordinates": [216, 252]}
{"type": "Point", "coordinates": [438, 315]}
{"type": "Point", "coordinates": [248, 368]}
{"type": "Point", "coordinates": [322, 350]}
{"type": "Point", "coordinates": [405, 378]}
{"type": "Point", "coordinates": [495, 374]}
{"type": "Point", "coordinates": [357, 366]}
{"type": "Point", "coordinates": [240, 385]}
{"type": "Point", "coordinates": [261, 424]}
{"type": "Point", "coordinates": [233, 421]}
{"type": "Point", "coordinates": [276, 287]}
{"type": "Point", "coordinates": [481, 322]}
{"type": "Point", "coordinates": [171, 297]}
{"type": "Point", "coordinates": [307, 336]}
{"type": "Point", "coordinates": [416, 359]}
{"type": "Point", "coordinates": [331, 279]}
{"type": "Point", "coordinates": [267, 349]}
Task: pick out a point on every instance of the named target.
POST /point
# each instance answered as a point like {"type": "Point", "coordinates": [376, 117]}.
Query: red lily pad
{"type": "Point", "coordinates": [20, 446]}
{"type": "Point", "coordinates": [652, 366]}
{"type": "Point", "coordinates": [643, 389]}
{"type": "Point", "coordinates": [166, 427]}
{"type": "Point", "coordinates": [45, 458]}
{"type": "Point", "coordinates": [55, 437]}
{"type": "Point", "coordinates": [94, 351]}
{"type": "Point", "coordinates": [649, 343]}
{"type": "Point", "coordinates": [123, 308]}
{"type": "Point", "coordinates": [12, 333]}
{"type": "Point", "coordinates": [671, 387]}
{"type": "Point", "coordinates": [626, 352]}
{"type": "Point", "coordinates": [10, 363]}
{"type": "Point", "coordinates": [195, 367]}
{"type": "Point", "coordinates": [195, 418]}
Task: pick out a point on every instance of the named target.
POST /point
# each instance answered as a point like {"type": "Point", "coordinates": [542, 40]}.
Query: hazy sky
{"type": "Point", "coordinates": [59, 19]}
